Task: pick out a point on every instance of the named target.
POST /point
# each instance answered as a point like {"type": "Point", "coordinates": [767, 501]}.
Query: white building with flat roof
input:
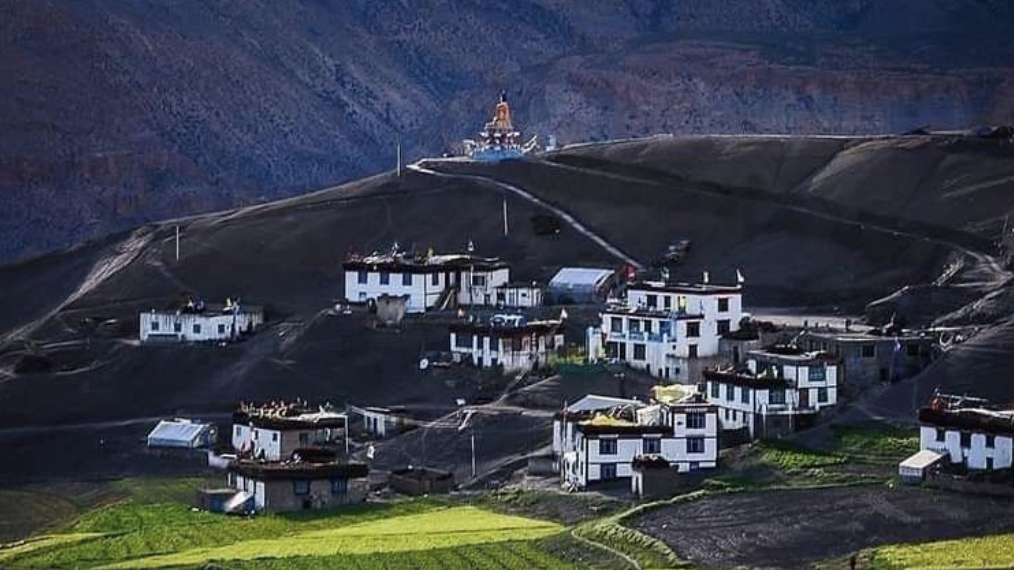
{"type": "Point", "coordinates": [429, 281]}
{"type": "Point", "coordinates": [508, 342]}
{"type": "Point", "coordinates": [200, 322]}
{"type": "Point", "coordinates": [777, 392]}
{"type": "Point", "coordinates": [663, 328]}
{"type": "Point", "coordinates": [601, 446]}
{"type": "Point", "coordinates": [970, 432]}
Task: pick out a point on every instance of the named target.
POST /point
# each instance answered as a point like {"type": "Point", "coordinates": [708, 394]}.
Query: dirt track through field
{"type": "Point", "coordinates": [791, 528]}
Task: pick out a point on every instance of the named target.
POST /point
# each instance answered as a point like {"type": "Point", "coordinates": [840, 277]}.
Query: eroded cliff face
{"type": "Point", "coordinates": [115, 112]}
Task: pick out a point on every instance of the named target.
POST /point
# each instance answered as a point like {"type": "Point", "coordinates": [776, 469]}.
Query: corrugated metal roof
{"type": "Point", "coordinates": [177, 433]}
{"type": "Point", "coordinates": [593, 402]}
{"type": "Point", "coordinates": [580, 276]}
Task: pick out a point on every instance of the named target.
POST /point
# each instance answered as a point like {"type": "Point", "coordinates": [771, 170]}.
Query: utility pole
{"type": "Point", "coordinates": [399, 156]}
{"type": "Point", "coordinates": [506, 227]}
{"type": "Point", "coordinates": [473, 453]}
{"type": "Point", "coordinates": [346, 436]}
{"type": "Point", "coordinates": [177, 243]}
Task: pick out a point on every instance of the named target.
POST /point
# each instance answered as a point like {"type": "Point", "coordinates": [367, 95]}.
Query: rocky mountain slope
{"type": "Point", "coordinates": [117, 112]}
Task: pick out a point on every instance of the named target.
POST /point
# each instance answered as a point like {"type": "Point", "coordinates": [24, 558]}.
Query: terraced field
{"type": "Point", "coordinates": [412, 534]}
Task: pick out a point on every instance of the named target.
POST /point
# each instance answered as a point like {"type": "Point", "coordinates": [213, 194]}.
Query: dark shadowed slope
{"type": "Point", "coordinates": [287, 255]}
{"type": "Point", "coordinates": [118, 112]}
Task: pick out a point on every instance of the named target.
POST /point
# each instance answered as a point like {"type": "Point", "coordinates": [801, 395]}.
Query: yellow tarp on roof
{"type": "Point", "coordinates": [600, 420]}
{"type": "Point", "coordinates": [671, 393]}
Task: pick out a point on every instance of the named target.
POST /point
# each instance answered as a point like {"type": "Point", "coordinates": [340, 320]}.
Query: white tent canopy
{"type": "Point", "coordinates": [181, 433]}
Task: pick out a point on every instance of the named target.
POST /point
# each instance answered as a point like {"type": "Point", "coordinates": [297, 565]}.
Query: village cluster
{"type": "Point", "coordinates": [722, 377]}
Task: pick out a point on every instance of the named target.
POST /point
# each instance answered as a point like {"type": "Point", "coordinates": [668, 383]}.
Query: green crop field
{"type": "Point", "coordinates": [408, 534]}
{"type": "Point", "coordinates": [995, 551]}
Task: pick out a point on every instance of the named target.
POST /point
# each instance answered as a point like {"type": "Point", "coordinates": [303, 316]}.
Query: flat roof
{"type": "Point", "coordinates": [745, 380]}
{"type": "Point", "coordinates": [543, 327]}
{"type": "Point", "coordinates": [922, 460]}
{"type": "Point", "coordinates": [815, 356]}
{"type": "Point", "coordinates": [594, 402]}
{"type": "Point", "coordinates": [649, 313]}
{"type": "Point", "coordinates": [282, 419]}
{"type": "Point", "coordinates": [408, 263]}
{"type": "Point", "coordinates": [686, 288]}
{"type": "Point", "coordinates": [970, 419]}
{"type": "Point", "coordinates": [586, 276]}
{"type": "Point", "coordinates": [299, 470]}
{"type": "Point", "coordinates": [841, 336]}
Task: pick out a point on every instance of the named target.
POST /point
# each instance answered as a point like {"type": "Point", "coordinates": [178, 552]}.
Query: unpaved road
{"type": "Point", "coordinates": [788, 529]}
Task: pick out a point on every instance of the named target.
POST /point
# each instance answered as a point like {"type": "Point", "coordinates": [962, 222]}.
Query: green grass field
{"type": "Point", "coordinates": [995, 551]}
{"type": "Point", "coordinates": [152, 528]}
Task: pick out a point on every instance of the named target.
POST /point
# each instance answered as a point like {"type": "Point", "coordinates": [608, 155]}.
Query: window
{"type": "Point", "coordinates": [197, 329]}
{"type": "Point", "coordinates": [238, 430]}
{"type": "Point", "coordinates": [652, 445]}
{"type": "Point", "coordinates": [178, 327]}
{"type": "Point", "coordinates": [607, 471]}
{"type": "Point", "coordinates": [730, 393]}
{"type": "Point", "coordinates": [817, 373]}
{"type": "Point", "coordinates": [941, 435]}
{"type": "Point", "coordinates": [274, 436]}
{"type": "Point", "coordinates": [681, 303]}
{"type": "Point", "coordinates": [652, 301]}
{"type": "Point", "coordinates": [154, 325]}
{"type": "Point", "coordinates": [463, 340]}
{"type": "Point", "coordinates": [869, 351]}
{"type": "Point", "coordinates": [692, 351]}
{"type": "Point", "coordinates": [385, 278]}
{"type": "Point", "coordinates": [221, 329]}
{"type": "Point", "coordinates": [990, 440]}
{"type": "Point", "coordinates": [912, 350]}
{"type": "Point", "coordinates": [435, 279]}
{"type": "Point", "coordinates": [639, 352]}
{"type": "Point", "coordinates": [301, 487]}
{"type": "Point", "coordinates": [694, 329]}
{"type": "Point", "coordinates": [723, 326]}
{"type": "Point", "coordinates": [966, 439]}
{"type": "Point", "coordinates": [616, 324]}
{"type": "Point", "coordinates": [406, 279]}
{"type": "Point", "coordinates": [362, 295]}
{"type": "Point", "coordinates": [363, 277]}
{"type": "Point", "coordinates": [695, 445]}
{"type": "Point", "coordinates": [339, 486]}
{"type": "Point", "coordinates": [822, 395]}
{"type": "Point", "coordinates": [478, 281]}
{"type": "Point", "coordinates": [635, 325]}
{"type": "Point", "coordinates": [716, 390]}
{"type": "Point", "coordinates": [744, 396]}
{"type": "Point", "coordinates": [667, 301]}
{"type": "Point", "coordinates": [696, 420]}
{"type": "Point", "coordinates": [607, 447]}
{"type": "Point", "coordinates": [723, 305]}
{"type": "Point", "coordinates": [777, 397]}
{"type": "Point", "coordinates": [304, 438]}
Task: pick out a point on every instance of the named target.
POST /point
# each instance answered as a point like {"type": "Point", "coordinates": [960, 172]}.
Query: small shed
{"type": "Point", "coordinates": [416, 481]}
{"type": "Point", "coordinates": [183, 434]}
{"type": "Point", "coordinates": [653, 477]}
{"type": "Point", "coordinates": [914, 469]}
{"type": "Point", "coordinates": [581, 285]}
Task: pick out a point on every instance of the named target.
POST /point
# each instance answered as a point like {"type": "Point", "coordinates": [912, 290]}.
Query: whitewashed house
{"type": "Point", "coordinates": [200, 322]}
{"type": "Point", "coordinates": [429, 281]}
{"type": "Point", "coordinates": [507, 341]}
{"type": "Point", "coordinates": [522, 295]}
{"type": "Point", "coordinates": [663, 328]}
{"type": "Point", "coordinates": [275, 432]}
{"type": "Point", "coordinates": [780, 390]}
{"type": "Point", "coordinates": [595, 447]}
{"type": "Point", "coordinates": [968, 431]}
